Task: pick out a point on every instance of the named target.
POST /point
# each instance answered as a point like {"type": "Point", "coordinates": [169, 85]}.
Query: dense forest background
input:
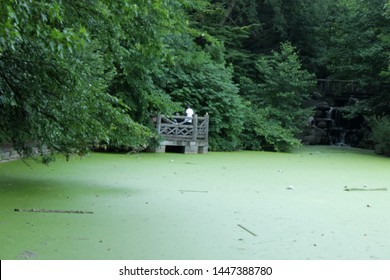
{"type": "Point", "coordinates": [84, 74]}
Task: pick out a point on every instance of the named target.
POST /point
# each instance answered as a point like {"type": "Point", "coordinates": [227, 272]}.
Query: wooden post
{"type": "Point", "coordinates": [206, 126]}
{"type": "Point", "coordinates": [195, 127]}
{"type": "Point", "coordinates": [158, 123]}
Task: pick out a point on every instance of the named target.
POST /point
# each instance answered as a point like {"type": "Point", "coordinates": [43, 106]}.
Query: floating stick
{"type": "Point", "coordinates": [192, 191]}
{"type": "Point", "coordinates": [364, 189]}
{"type": "Point", "coordinates": [246, 230]}
{"type": "Point", "coordinates": [53, 211]}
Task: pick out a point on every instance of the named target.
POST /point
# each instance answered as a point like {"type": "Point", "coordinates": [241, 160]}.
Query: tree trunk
{"type": "Point", "coordinates": [228, 12]}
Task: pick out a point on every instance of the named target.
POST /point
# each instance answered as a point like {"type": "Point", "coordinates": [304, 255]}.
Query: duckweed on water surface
{"type": "Point", "coordinates": [239, 205]}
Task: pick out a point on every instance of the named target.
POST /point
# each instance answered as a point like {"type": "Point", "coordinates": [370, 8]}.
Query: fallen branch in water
{"type": "Point", "coordinates": [53, 211]}
{"type": "Point", "coordinates": [246, 230]}
{"type": "Point", "coordinates": [192, 191]}
{"type": "Point", "coordinates": [364, 189]}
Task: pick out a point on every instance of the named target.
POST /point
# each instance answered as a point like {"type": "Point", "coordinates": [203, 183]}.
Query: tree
{"type": "Point", "coordinates": [278, 115]}
{"type": "Point", "coordinates": [354, 49]}
{"type": "Point", "coordinates": [53, 84]}
{"type": "Point", "coordinates": [250, 29]}
{"type": "Point", "coordinates": [385, 38]}
{"type": "Point", "coordinates": [87, 73]}
{"type": "Point", "coordinates": [81, 74]}
{"type": "Point", "coordinates": [198, 76]}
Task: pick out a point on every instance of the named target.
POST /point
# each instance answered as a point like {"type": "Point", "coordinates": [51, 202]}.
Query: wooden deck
{"type": "Point", "coordinates": [181, 136]}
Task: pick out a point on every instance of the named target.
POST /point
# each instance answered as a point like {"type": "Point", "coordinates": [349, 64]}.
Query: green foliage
{"type": "Point", "coordinates": [385, 38]}
{"type": "Point", "coordinates": [380, 134]}
{"type": "Point", "coordinates": [86, 73]}
{"type": "Point", "coordinates": [354, 49]}
{"type": "Point", "coordinates": [82, 74]}
{"type": "Point", "coordinates": [263, 131]}
{"type": "Point", "coordinates": [134, 32]}
{"type": "Point", "coordinates": [53, 84]}
{"type": "Point", "coordinates": [195, 78]}
{"type": "Point", "coordinates": [277, 100]}
{"type": "Point", "coordinates": [284, 84]}
{"type": "Point", "coordinates": [41, 21]}
{"type": "Point", "coordinates": [251, 28]}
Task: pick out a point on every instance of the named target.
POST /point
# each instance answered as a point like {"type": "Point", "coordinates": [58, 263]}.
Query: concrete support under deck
{"type": "Point", "coordinates": [190, 147]}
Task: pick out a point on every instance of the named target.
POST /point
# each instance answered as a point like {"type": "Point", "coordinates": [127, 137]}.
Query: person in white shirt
{"type": "Point", "coordinates": [189, 114]}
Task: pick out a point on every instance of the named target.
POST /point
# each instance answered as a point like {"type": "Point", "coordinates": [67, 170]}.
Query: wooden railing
{"type": "Point", "coordinates": [342, 87]}
{"type": "Point", "coordinates": [178, 127]}
{"type": "Point", "coordinates": [338, 86]}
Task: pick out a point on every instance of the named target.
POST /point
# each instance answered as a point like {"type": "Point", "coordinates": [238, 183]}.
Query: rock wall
{"type": "Point", "coordinates": [7, 152]}
{"type": "Point", "coordinates": [328, 126]}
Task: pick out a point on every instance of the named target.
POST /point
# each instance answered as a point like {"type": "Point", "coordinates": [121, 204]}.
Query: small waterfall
{"type": "Point", "coordinates": [337, 131]}
{"type": "Point", "coordinates": [329, 126]}
{"type": "Point", "coordinates": [342, 138]}
{"type": "Point", "coordinates": [329, 113]}
{"type": "Point", "coordinates": [337, 117]}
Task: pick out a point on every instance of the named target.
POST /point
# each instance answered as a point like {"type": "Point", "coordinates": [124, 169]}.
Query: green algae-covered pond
{"type": "Point", "coordinates": [239, 205]}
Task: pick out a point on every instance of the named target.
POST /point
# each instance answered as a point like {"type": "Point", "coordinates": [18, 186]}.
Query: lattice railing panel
{"type": "Point", "coordinates": [178, 127]}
